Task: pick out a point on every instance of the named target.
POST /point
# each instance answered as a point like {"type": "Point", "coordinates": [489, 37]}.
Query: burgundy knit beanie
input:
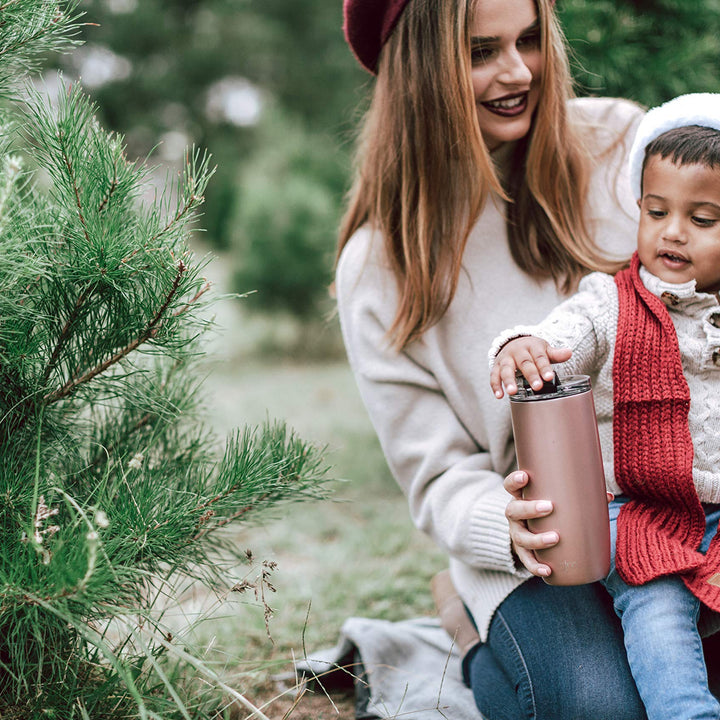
{"type": "Point", "coordinates": [367, 26]}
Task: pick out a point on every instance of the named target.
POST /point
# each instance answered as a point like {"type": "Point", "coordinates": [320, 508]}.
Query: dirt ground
{"type": "Point", "coordinates": [315, 707]}
{"type": "Point", "coordinates": [313, 704]}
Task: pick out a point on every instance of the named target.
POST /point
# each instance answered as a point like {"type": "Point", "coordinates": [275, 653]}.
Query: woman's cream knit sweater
{"type": "Point", "coordinates": [447, 439]}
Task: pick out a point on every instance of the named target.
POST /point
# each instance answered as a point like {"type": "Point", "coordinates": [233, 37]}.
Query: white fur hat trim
{"type": "Point", "coordinates": [694, 109]}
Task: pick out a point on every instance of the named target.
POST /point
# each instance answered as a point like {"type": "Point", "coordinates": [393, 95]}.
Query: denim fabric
{"type": "Point", "coordinates": [662, 641]}
{"type": "Point", "coordinates": [554, 653]}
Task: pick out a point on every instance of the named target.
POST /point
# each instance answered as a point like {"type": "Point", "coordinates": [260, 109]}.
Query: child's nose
{"type": "Point", "coordinates": [674, 230]}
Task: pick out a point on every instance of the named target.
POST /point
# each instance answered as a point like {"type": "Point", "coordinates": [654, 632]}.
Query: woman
{"type": "Point", "coordinates": [477, 172]}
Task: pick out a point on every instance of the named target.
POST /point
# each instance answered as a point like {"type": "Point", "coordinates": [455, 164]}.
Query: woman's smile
{"type": "Point", "coordinates": [508, 106]}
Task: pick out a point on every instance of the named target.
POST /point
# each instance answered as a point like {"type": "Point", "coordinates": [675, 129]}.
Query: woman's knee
{"type": "Point", "coordinates": [583, 700]}
{"type": "Point", "coordinates": [561, 652]}
{"type": "Point", "coordinates": [548, 695]}
{"type": "Point", "coordinates": [495, 694]}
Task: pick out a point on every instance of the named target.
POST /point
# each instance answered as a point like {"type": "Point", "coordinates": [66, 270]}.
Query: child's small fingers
{"type": "Point", "coordinates": [507, 377]}
{"type": "Point", "coordinates": [544, 366]}
{"type": "Point", "coordinates": [559, 354]}
{"type": "Point", "coordinates": [529, 369]}
{"type": "Point", "coordinates": [495, 382]}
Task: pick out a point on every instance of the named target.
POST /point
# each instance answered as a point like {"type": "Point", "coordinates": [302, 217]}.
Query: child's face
{"type": "Point", "coordinates": [679, 231]}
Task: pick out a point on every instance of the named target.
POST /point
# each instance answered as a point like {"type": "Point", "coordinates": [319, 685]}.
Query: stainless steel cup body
{"type": "Point", "coordinates": [557, 445]}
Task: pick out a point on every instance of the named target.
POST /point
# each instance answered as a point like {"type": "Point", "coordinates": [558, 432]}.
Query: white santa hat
{"type": "Point", "coordinates": [694, 109]}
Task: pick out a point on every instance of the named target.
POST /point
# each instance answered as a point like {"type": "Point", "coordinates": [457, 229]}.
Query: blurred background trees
{"type": "Point", "coordinates": [271, 90]}
{"type": "Point", "coordinates": [646, 50]}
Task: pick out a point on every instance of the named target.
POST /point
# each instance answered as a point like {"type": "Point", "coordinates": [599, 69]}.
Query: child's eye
{"type": "Point", "coordinates": [704, 221]}
{"type": "Point", "coordinates": [657, 214]}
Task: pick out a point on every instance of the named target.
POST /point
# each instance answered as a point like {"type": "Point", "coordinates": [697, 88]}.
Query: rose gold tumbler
{"type": "Point", "coordinates": [557, 445]}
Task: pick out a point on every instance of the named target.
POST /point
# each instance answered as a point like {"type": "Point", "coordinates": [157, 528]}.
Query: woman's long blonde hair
{"type": "Point", "coordinates": [424, 172]}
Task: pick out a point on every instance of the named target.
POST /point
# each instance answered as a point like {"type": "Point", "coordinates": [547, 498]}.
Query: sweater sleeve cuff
{"type": "Point", "coordinates": [490, 536]}
{"type": "Point", "coordinates": [504, 338]}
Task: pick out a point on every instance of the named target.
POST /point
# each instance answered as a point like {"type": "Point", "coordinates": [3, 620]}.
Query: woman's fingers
{"type": "Point", "coordinates": [518, 512]}
{"type": "Point", "coordinates": [530, 562]}
{"type": "Point", "coordinates": [525, 543]}
{"type": "Point", "coordinates": [515, 482]}
{"type": "Point", "coordinates": [523, 538]}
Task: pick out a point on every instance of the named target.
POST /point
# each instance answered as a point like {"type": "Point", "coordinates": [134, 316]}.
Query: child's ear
{"type": "Point", "coordinates": [639, 203]}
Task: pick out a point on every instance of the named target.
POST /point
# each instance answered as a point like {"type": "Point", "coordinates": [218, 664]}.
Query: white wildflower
{"type": "Point", "coordinates": [136, 461]}
{"type": "Point", "coordinates": [14, 165]}
{"type": "Point", "coordinates": [43, 513]}
{"type": "Point", "coordinates": [101, 519]}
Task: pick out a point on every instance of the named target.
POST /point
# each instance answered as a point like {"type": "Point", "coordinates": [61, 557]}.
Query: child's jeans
{"type": "Point", "coordinates": [662, 641]}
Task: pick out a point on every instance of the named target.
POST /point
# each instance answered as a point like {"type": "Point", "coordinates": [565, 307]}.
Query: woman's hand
{"type": "Point", "coordinates": [530, 355]}
{"type": "Point", "coordinates": [518, 512]}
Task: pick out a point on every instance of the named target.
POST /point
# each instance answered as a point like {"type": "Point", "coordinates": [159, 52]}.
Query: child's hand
{"type": "Point", "coordinates": [532, 356]}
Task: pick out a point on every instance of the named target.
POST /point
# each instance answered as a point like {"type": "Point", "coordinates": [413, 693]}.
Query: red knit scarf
{"type": "Point", "coordinates": [660, 528]}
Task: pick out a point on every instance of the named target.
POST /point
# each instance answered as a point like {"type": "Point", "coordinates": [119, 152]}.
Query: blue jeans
{"type": "Point", "coordinates": [557, 653]}
{"type": "Point", "coordinates": [662, 641]}
{"type": "Point", "coordinates": [554, 653]}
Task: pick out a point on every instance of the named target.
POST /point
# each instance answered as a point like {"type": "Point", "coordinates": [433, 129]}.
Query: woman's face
{"type": "Point", "coordinates": [507, 67]}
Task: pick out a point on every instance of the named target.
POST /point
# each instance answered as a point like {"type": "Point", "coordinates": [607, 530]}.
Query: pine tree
{"type": "Point", "coordinates": [111, 485]}
{"type": "Point", "coordinates": [646, 50]}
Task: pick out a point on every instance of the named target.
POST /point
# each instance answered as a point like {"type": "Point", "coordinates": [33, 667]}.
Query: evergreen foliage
{"type": "Point", "coordinates": [294, 53]}
{"type": "Point", "coordinates": [275, 201]}
{"type": "Point", "coordinates": [285, 225]}
{"type": "Point", "coordinates": [112, 487]}
{"type": "Point", "coordinates": [646, 50]}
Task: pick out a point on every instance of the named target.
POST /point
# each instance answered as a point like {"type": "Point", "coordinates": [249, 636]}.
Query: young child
{"type": "Point", "coordinates": [650, 340]}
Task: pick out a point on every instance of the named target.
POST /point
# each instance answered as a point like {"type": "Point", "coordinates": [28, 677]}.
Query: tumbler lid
{"type": "Point", "coordinates": [552, 389]}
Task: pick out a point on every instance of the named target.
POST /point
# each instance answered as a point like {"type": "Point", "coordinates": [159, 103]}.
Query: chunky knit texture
{"type": "Point", "coordinates": [447, 438]}
{"type": "Point", "coordinates": [660, 529]}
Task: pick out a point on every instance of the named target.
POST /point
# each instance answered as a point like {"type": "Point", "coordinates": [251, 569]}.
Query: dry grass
{"type": "Point", "coordinates": [354, 555]}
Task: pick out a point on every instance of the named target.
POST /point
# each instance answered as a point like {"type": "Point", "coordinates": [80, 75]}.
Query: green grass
{"type": "Point", "coordinates": [355, 554]}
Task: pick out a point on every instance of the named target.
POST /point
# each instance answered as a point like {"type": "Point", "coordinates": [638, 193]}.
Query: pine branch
{"type": "Point", "coordinates": [226, 520]}
{"type": "Point", "coordinates": [152, 329]}
{"type": "Point", "coordinates": [73, 182]}
{"type": "Point", "coordinates": [65, 333]}
{"type": "Point", "coordinates": [193, 202]}
{"type": "Point", "coordinates": [29, 30]}
{"type": "Point", "coordinates": [108, 451]}
{"type": "Point", "coordinates": [100, 429]}
{"type": "Point", "coordinates": [196, 175]}
{"type": "Point", "coordinates": [13, 49]}
{"type": "Point", "coordinates": [108, 196]}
